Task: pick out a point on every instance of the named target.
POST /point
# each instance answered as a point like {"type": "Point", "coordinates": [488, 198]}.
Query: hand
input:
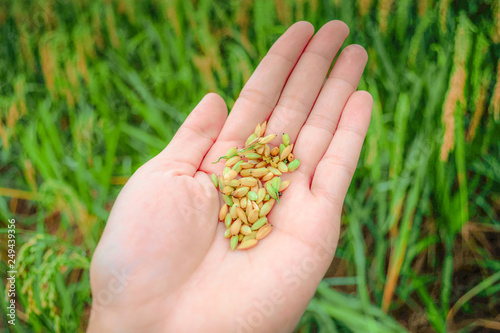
{"type": "Point", "coordinates": [163, 264]}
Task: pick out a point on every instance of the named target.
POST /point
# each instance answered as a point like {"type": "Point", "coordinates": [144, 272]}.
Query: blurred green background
{"type": "Point", "coordinates": [91, 90]}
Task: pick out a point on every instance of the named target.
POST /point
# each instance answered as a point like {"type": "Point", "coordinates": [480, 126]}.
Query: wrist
{"type": "Point", "coordinates": [101, 321]}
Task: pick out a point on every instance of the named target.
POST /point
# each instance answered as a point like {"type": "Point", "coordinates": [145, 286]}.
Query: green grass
{"type": "Point", "coordinates": [93, 89]}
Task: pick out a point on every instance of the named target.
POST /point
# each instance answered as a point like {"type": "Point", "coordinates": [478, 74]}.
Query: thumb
{"type": "Point", "coordinates": [196, 135]}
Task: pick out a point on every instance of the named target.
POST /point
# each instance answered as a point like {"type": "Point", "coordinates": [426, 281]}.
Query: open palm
{"type": "Point", "coordinates": [163, 264]}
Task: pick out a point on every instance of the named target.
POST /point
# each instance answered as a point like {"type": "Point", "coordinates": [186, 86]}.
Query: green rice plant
{"type": "Point", "coordinates": [53, 289]}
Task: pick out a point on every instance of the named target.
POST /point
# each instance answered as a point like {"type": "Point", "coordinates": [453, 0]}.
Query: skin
{"type": "Point", "coordinates": [163, 264]}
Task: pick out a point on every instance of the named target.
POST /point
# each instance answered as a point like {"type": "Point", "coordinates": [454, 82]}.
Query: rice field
{"type": "Point", "coordinates": [91, 90]}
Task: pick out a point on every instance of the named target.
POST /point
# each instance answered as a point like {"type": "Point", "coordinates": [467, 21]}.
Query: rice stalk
{"type": "Point", "coordinates": [3, 13]}
{"type": "Point", "coordinates": [18, 194]}
{"type": "Point", "coordinates": [456, 86]}
{"type": "Point", "coordinates": [422, 7]}
{"type": "Point", "coordinates": [127, 8]}
{"type": "Point", "coordinates": [494, 107]}
{"type": "Point", "coordinates": [111, 26]}
{"type": "Point", "coordinates": [479, 107]}
{"type": "Point", "coordinates": [203, 64]}
{"type": "Point", "coordinates": [29, 175]}
{"type": "Point", "coordinates": [49, 67]}
{"type": "Point", "coordinates": [364, 7]}
{"type": "Point", "coordinates": [313, 5]}
{"type": "Point", "coordinates": [71, 73]}
{"type": "Point", "coordinates": [444, 5]}
{"type": "Point", "coordinates": [25, 47]}
{"type": "Point", "coordinates": [3, 135]}
{"type": "Point", "coordinates": [96, 29]}
{"type": "Point", "coordinates": [173, 17]}
{"type": "Point", "coordinates": [495, 29]}
{"type": "Point", "coordinates": [283, 11]}
{"type": "Point", "coordinates": [19, 88]}
{"type": "Point", "coordinates": [12, 116]}
{"type": "Point", "coordinates": [242, 20]}
{"type": "Point", "coordinates": [384, 8]}
{"type": "Point", "coordinates": [81, 63]}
